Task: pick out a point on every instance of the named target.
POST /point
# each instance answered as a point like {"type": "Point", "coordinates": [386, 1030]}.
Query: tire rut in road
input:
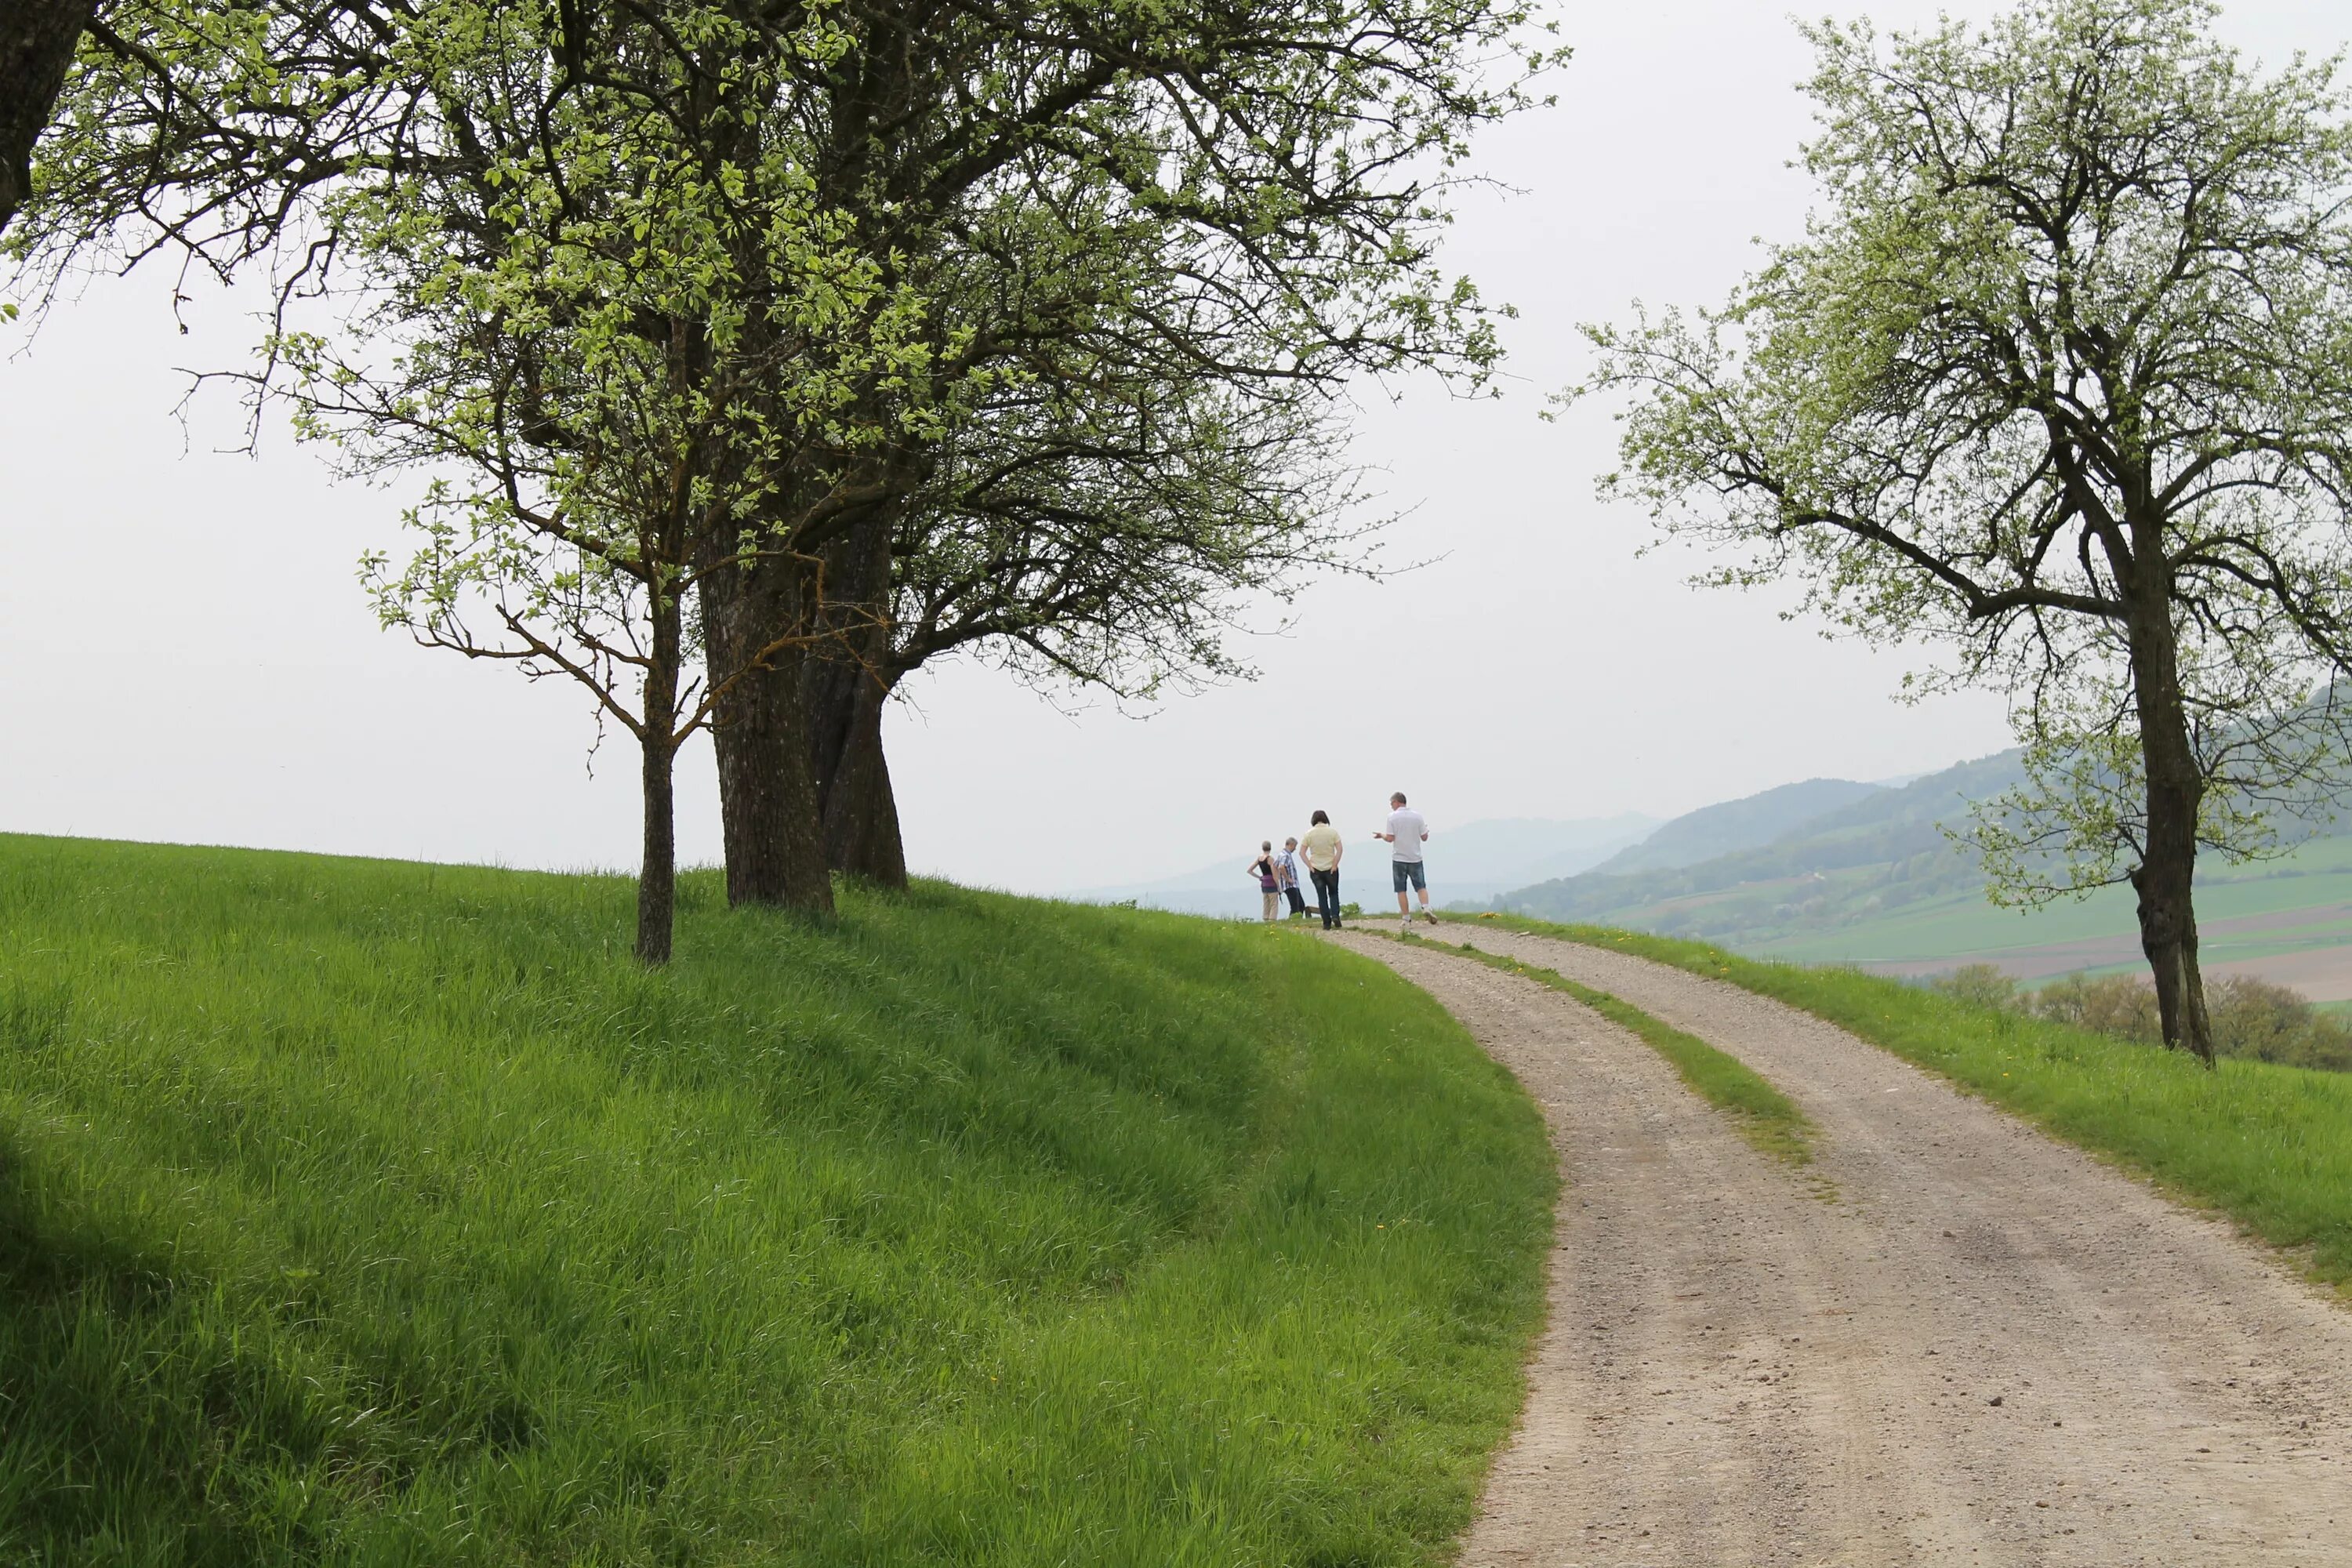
{"type": "Point", "coordinates": [1992, 1350]}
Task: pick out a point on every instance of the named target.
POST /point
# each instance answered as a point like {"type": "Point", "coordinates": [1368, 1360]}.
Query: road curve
{"type": "Point", "coordinates": [1986, 1348]}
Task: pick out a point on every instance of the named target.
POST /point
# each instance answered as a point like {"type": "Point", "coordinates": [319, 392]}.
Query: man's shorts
{"type": "Point", "coordinates": [1407, 872]}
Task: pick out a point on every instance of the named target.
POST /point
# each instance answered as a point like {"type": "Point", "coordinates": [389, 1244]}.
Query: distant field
{"type": "Point", "coordinates": [2288, 921]}
{"type": "Point", "coordinates": [366, 1213]}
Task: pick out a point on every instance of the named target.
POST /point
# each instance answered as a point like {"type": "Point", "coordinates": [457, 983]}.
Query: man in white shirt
{"type": "Point", "coordinates": [1406, 834]}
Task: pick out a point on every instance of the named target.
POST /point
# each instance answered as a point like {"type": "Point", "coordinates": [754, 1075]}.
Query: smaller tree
{"type": "Point", "coordinates": [559, 329]}
{"type": "Point", "coordinates": [2062, 378]}
{"type": "Point", "coordinates": [592, 481]}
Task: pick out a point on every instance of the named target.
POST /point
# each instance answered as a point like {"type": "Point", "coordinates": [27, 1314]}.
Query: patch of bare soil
{"type": "Point", "coordinates": [1990, 1349]}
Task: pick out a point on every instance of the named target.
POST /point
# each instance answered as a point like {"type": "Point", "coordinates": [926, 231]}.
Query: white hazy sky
{"type": "Point", "coordinates": [185, 653]}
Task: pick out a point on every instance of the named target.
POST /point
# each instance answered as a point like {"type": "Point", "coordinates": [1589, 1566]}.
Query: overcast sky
{"type": "Point", "coordinates": [188, 657]}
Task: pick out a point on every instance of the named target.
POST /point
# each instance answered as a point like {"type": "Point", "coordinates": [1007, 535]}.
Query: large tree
{"type": "Point", "coordinates": [2061, 376]}
{"type": "Point", "coordinates": [1249, 197]}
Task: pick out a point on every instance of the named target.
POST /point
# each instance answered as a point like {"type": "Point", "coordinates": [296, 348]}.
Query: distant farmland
{"type": "Point", "coordinates": [2289, 921]}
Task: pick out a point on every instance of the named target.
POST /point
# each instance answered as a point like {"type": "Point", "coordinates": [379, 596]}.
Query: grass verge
{"type": "Point", "coordinates": [382, 1214]}
{"type": "Point", "coordinates": [1765, 1117]}
{"type": "Point", "coordinates": [2267, 1144]}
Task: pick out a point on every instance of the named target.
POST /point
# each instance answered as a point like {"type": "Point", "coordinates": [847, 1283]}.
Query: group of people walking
{"type": "Point", "coordinates": [1319, 853]}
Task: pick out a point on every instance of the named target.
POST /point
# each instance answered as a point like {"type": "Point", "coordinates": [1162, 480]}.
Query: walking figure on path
{"type": "Point", "coordinates": [1406, 834]}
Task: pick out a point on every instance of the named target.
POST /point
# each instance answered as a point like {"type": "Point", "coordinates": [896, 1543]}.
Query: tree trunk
{"type": "Point", "coordinates": [2176, 789]}
{"type": "Point", "coordinates": [658, 872]}
{"type": "Point", "coordinates": [846, 684]}
{"type": "Point", "coordinates": [36, 46]}
{"type": "Point", "coordinates": [861, 811]}
{"type": "Point", "coordinates": [767, 793]}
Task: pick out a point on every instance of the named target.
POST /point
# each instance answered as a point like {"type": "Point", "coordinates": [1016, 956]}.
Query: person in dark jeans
{"type": "Point", "coordinates": [1289, 861]}
{"type": "Point", "coordinates": [1321, 849]}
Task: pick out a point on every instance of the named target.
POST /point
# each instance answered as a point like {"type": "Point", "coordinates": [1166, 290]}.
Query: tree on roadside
{"type": "Point", "coordinates": [1139, 194]}
{"type": "Point", "coordinates": [2061, 378]}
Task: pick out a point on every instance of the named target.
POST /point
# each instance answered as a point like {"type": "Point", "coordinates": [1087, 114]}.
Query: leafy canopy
{"type": "Point", "coordinates": [2065, 350]}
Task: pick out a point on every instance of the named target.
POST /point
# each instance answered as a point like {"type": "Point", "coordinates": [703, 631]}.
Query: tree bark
{"type": "Point", "coordinates": [36, 46]}
{"type": "Point", "coordinates": [845, 685]}
{"type": "Point", "coordinates": [767, 793]}
{"type": "Point", "coordinates": [861, 811]}
{"type": "Point", "coordinates": [658, 871]}
{"type": "Point", "coordinates": [2165, 878]}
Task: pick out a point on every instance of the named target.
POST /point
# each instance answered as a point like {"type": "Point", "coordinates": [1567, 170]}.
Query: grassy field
{"type": "Point", "coordinates": [2269, 1146]}
{"type": "Point", "coordinates": [384, 1213]}
{"type": "Point", "coordinates": [2316, 877]}
{"type": "Point", "coordinates": [1767, 1117]}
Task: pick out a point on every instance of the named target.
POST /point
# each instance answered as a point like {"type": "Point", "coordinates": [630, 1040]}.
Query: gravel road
{"type": "Point", "coordinates": [1988, 1348]}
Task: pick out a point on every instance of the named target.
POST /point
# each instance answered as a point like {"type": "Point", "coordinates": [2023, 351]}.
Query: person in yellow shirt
{"type": "Point", "coordinates": [1321, 849]}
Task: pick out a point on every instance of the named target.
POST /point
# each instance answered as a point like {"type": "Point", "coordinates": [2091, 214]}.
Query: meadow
{"type": "Point", "coordinates": [2269, 1146]}
{"type": "Point", "coordinates": [2266, 908]}
{"type": "Point", "coordinates": [387, 1213]}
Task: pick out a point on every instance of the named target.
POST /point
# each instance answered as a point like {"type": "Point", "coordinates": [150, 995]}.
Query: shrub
{"type": "Point", "coordinates": [1986, 984]}
{"type": "Point", "coordinates": [2112, 1003]}
{"type": "Point", "coordinates": [2251, 1017]}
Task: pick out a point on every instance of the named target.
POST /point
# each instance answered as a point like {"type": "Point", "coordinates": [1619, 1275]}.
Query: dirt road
{"type": "Point", "coordinates": [1986, 1348]}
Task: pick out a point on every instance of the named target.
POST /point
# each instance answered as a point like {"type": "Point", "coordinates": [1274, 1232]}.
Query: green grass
{"type": "Point", "coordinates": [379, 1214]}
{"type": "Point", "coordinates": [1766, 1118]}
{"type": "Point", "coordinates": [2316, 877]}
{"type": "Point", "coordinates": [2269, 1146]}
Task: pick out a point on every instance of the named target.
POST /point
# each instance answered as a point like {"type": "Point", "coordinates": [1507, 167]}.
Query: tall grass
{"type": "Point", "coordinates": [2268, 1144]}
{"type": "Point", "coordinates": [361, 1213]}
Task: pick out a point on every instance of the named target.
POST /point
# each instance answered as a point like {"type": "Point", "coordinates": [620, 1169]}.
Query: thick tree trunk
{"type": "Point", "coordinates": [846, 684]}
{"type": "Point", "coordinates": [2165, 876]}
{"type": "Point", "coordinates": [861, 811]}
{"type": "Point", "coordinates": [37, 45]}
{"type": "Point", "coordinates": [767, 793]}
{"type": "Point", "coordinates": [658, 872]}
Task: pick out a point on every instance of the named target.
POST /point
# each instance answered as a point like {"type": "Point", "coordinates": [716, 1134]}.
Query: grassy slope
{"type": "Point", "coordinates": [2272, 1146]}
{"type": "Point", "coordinates": [355, 1211]}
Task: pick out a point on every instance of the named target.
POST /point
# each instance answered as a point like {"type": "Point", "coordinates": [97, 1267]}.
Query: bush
{"type": "Point", "coordinates": [1986, 984]}
{"type": "Point", "coordinates": [2117, 1005]}
{"type": "Point", "coordinates": [2252, 1018]}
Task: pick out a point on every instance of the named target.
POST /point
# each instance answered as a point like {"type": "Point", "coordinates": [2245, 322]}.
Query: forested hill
{"type": "Point", "coordinates": [1735, 826]}
{"type": "Point", "coordinates": [1869, 850]}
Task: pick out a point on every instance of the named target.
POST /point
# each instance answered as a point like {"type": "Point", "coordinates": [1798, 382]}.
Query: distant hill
{"type": "Point", "coordinates": [1863, 850]}
{"type": "Point", "coordinates": [1737, 824]}
{"type": "Point", "coordinates": [1875, 883]}
{"type": "Point", "coordinates": [1506, 849]}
